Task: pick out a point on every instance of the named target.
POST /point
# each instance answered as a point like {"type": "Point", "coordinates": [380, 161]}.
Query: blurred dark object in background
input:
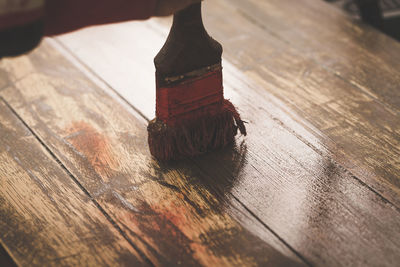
{"type": "Point", "coordinates": [381, 14]}
{"type": "Point", "coordinates": [20, 39]}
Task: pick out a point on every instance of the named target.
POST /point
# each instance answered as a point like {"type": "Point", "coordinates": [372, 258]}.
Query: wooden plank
{"type": "Point", "coordinates": [321, 206]}
{"type": "Point", "coordinates": [355, 52]}
{"type": "Point", "coordinates": [357, 130]}
{"type": "Point", "coordinates": [361, 133]}
{"type": "Point", "coordinates": [172, 216]}
{"type": "Point", "coordinates": [293, 188]}
{"type": "Point", "coordinates": [340, 137]}
{"type": "Point", "coordinates": [46, 219]}
{"type": "Point", "coordinates": [123, 52]}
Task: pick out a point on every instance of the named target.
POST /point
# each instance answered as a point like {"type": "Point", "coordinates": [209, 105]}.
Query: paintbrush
{"type": "Point", "coordinates": [192, 116]}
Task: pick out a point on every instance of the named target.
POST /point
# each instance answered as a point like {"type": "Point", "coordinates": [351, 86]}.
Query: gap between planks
{"type": "Point", "coordinates": [104, 85]}
{"type": "Point", "coordinates": [110, 91]}
{"type": "Point", "coordinates": [107, 87]}
{"type": "Point", "coordinates": [335, 166]}
{"type": "Point", "coordinates": [385, 185]}
{"type": "Point", "coordinates": [108, 217]}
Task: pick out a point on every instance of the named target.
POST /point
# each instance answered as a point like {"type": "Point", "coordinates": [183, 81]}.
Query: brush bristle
{"type": "Point", "coordinates": [195, 136]}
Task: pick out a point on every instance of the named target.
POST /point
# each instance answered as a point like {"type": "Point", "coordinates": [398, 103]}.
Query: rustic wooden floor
{"type": "Point", "coordinates": [315, 183]}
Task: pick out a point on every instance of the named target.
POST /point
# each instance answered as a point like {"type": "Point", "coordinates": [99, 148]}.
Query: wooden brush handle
{"type": "Point", "coordinates": [188, 46]}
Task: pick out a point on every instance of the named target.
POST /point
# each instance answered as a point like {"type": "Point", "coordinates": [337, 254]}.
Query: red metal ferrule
{"type": "Point", "coordinates": [190, 98]}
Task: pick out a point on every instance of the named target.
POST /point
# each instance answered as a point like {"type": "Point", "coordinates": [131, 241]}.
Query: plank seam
{"type": "Point", "coordinates": [262, 222]}
{"type": "Point", "coordinates": [284, 126]}
{"type": "Point", "coordinates": [344, 169]}
{"type": "Point", "coordinates": [272, 231]}
{"type": "Point", "coordinates": [108, 217]}
{"type": "Point", "coordinates": [109, 87]}
{"type": "Point", "coordinates": [387, 106]}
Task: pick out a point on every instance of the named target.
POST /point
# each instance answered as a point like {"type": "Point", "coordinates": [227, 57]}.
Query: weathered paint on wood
{"type": "Point", "coordinates": [323, 137]}
{"type": "Point", "coordinates": [356, 124]}
{"type": "Point", "coordinates": [355, 52]}
{"type": "Point", "coordinates": [337, 143]}
{"type": "Point", "coordinates": [165, 209]}
{"type": "Point", "coordinates": [360, 131]}
{"type": "Point", "coordinates": [46, 219]}
{"type": "Point", "coordinates": [310, 201]}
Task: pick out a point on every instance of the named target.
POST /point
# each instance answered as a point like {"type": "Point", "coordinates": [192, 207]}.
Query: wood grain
{"type": "Point", "coordinates": [355, 52]}
{"type": "Point", "coordinates": [166, 210]}
{"type": "Point", "coordinates": [355, 124]}
{"type": "Point", "coordinates": [46, 219]}
{"type": "Point", "coordinates": [183, 212]}
{"type": "Point", "coordinates": [360, 131]}
{"type": "Point", "coordinates": [331, 145]}
{"type": "Point", "coordinates": [319, 168]}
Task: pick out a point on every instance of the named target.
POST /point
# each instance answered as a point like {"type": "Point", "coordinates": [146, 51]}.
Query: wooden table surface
{"type": "Point", "coordinates": [315, 183]}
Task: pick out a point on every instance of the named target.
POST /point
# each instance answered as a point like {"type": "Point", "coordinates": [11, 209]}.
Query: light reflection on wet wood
{"type": "Point", "coordinates": [320, 167]}
{"type": "Point", "coordinates": [165, 210]}
{"type": "Point", "coordinates": [361, 132]}
{"type": "Point", "coordinates": [269, 78]}
{"type": "Point", "coordinates": [357, 129]}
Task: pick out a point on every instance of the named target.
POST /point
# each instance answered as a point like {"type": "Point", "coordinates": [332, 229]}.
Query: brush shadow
{"type": "Point", "coordinates": [216, 172]}
{"type": "Point", "coordinates": [212, 178]}
{"type": "Point", "coordinates": [222, 170]}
